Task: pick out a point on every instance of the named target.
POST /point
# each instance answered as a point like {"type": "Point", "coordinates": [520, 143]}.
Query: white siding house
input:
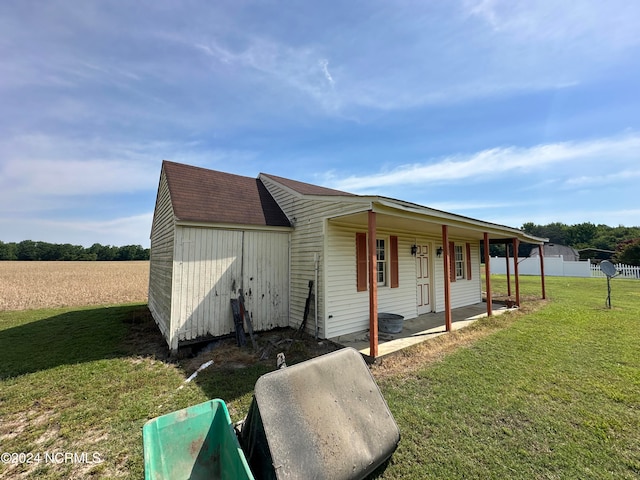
{"type": "Point", "coordinates": [215, 233]}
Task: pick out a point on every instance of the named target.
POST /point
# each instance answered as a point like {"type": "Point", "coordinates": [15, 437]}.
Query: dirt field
{"type": "Point", "coordinates": [31, 285]}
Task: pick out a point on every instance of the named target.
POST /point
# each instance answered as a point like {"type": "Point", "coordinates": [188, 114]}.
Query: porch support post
{"type": "Point", "coordinates": [506, 249]}
{"type": "Point", "coordinates": [447, 277]}
{"type": "Point", "coordinates": [373, 286]}
{"type": "Point", "coordinates": [516, 244]}
{"type": "Point", "coordinates": [544, 294]}
{"type": "Point", "coordinates": [487, 274]}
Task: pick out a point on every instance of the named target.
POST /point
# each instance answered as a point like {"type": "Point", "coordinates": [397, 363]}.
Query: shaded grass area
{"type": "Point", "coordinates": [35, 340]}
{"type": "Point", "coordinates": [86, 381]}
{"type": "Point", "coordinates": [555, 394]}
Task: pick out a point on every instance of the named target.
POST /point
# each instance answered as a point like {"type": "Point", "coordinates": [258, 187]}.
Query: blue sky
{"type": "Point", "coordinates": [507, 111]}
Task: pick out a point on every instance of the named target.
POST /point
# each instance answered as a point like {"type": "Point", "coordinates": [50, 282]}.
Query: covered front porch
{"type": "Point", "coordinates": [434, 265]}
{"type": "Point", "coordinates": [417, 330]}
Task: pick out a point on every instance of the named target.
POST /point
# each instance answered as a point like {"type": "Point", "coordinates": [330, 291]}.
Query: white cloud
{"type": "Point", "coordinates": [324, 64]}
{"type": "Point", "coordinates": [493, 48]}
{"type": "Point", "coordinates": [76, 177]}
{"type": "Point", "coordinates": [589, 24]}
{"type": "Point", "coordinates": [45, 165]}
{"type": "Point", "coordinates": [461, 206]}
{"type": "Point", "coordinates": [132, 230]}
{"type": "Point", "coordinates": [605, 152]}
{"type": "Point", "coordinates": [603, 178]}
{"type": "Point", "coordinates": [301, 68]}
{"type": "Point", "coordinates": [35, 169]}
{"type": "Point", "coordinates": [121, 231]}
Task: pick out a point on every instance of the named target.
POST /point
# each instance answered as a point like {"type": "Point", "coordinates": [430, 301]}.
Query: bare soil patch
{"type": "Point", "coordinates": [145, 340]}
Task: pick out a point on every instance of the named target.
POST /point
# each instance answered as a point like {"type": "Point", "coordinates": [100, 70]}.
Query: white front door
{"type": "Point", "coordinates": [423, 281]}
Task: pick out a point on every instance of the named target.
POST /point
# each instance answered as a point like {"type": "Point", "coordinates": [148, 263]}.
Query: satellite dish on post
{"type": "Point", "coordinates": [609, 269]}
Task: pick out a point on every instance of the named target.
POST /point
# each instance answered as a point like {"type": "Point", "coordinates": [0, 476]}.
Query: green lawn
{"type": "Point", "coordinates": [555, 394]}
{"type": "Point", "coordinates": [551, 394]}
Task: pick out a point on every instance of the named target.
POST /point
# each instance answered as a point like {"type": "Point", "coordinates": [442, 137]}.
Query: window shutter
{"type": "Point", "coordinates": [361, 262]}
{"type": "Point", "coordinates": [452, 261]}
{"type": "Point", "coordinates": [468, 261]}
{"type": "Point", "coordinates": [393, 258]}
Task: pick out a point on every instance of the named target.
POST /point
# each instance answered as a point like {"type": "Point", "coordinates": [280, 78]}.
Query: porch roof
{"type": "Point", "coordinates": [411, 218]}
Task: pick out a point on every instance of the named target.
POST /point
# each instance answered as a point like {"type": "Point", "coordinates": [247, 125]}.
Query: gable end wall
{"type": "Point", "coordinates": [308, 216]}
{"type": "Point", "coordinates": [161, 260]}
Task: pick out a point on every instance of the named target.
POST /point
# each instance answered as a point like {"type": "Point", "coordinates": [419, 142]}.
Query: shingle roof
{"type": "Point", "coordinates": [307, 188]}
{"type": "Point", "coordinates": [209, 196]}
{"type": "Point", "coordinates": [570, 254]}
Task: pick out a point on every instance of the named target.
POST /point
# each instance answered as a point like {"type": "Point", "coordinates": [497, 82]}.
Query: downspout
{"type": "Point", "coordinates": [289, 283]}
{"type": "Point", "coordinates": [315, 291]}
{"type": "Point", "coordinates": [242, 262]}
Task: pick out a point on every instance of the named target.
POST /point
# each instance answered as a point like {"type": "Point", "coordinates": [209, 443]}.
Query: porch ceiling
{"type": "Point", "coordinates": [429, 222]}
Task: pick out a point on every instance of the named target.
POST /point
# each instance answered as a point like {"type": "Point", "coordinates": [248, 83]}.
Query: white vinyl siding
{"type": "Point", "coordinates": [212, 265]}
{"type": "Point", "coordinates": [266, 279]}
{"type": "Point", "coordinates": [308, 215]}
{"type": "Point", "coordinates": [161, 259]}
{"type": "Point", "coordinates": [348, 309]}
{"type": "Point", "coordinates": [196, 270]}
{"type": "Point", "coordinates": [463, 292]}
{"type": "Point", "coordinates": [341, 308]}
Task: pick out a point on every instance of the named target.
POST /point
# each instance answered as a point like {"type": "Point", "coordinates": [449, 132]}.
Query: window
{"type": "Point", "coordinates": [459, 262]}
{"type": "Point", "coordinates": [381, 260]}
{"type": "Point", "coordinates": [387, 264]}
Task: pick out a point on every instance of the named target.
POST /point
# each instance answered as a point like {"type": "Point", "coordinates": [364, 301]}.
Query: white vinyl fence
{"type": "Point", "coordinates": [555, 266]}
{"type": "Point", "coordinates": [625, 271]}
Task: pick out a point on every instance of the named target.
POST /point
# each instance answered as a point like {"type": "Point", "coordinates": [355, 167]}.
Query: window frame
{"type": "Point", "coordinates": [384, 271]}
{"type": "Point", "coordinates": [459, 262]}
{"type": "Point", "coordinates": [390, 262]}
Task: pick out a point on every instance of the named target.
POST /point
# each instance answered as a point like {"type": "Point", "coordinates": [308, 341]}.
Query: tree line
{"type": "Point", "coordinates": [596, 242]}
{"type": "Point", "coordinates": [33, 250]}
{"type": "Point", "coordinates": [620, 244]}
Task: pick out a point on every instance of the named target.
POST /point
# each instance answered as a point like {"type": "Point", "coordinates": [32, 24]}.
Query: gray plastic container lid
{"type": "Point", "coordinates": [321, 419]}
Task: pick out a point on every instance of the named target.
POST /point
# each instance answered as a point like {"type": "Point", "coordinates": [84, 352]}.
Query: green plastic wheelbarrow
{"type": "Point", "coordinates": [197, 442]}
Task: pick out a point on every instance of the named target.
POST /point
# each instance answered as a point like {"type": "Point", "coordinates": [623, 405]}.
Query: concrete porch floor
{"type": "Point", "coordinates": [417, 330]}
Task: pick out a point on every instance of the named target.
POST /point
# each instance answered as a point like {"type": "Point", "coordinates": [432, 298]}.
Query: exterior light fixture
{"type": "Point", "coordinates": [439, 252]}
{"type": "Point", "coordinates": [414, 250]}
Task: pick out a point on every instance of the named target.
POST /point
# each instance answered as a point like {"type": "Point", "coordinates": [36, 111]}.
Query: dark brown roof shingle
{"type": "Point", "coordinates": [209, 196]}
{"type": "Point", "coordinates": [307, 188]}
